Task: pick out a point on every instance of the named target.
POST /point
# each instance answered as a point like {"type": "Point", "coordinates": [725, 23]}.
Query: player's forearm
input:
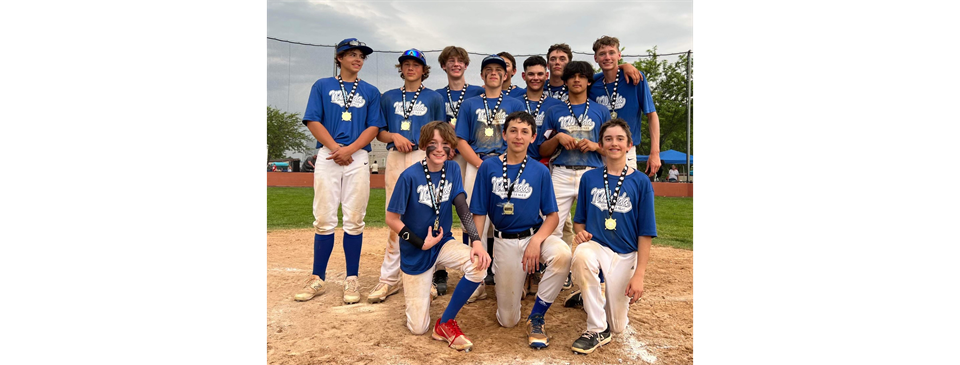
{"type": "Point", "coordinates": [654, 121]}
{"type": "Point", "coordinates": [468, 154]}
{"type": "Point", "coordinates": [550, 223]}
{"type": "Point", "coordinates": [578, 227]}
{"type": "Point", "coordinates": [365, 138]}
{"type": "Point", "coordinates": [322, 135]}
{"type": "Point", "coordinates": [394, 222]}
{"type": "Point", "coordinates": [479, 220]}
{"type": "Point", "coordinates": [549, 146]}
{"type": "Point", "coordinates": [643, 255]}
{"type": "Point", "coordinates": [385, 136]}
{"type": "Point", "coordinates": [467, 219]}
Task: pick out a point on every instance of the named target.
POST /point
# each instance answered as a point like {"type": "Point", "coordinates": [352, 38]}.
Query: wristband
{"type": "Point", "coordinates": [411, 237]}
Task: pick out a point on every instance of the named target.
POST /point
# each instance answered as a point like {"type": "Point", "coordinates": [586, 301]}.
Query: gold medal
{"type": "Point", "coordinates": [507, 208]}
{"type": "Point", "coordinates": [613, 115]}
{"type": "Point", "coordinates": [611, 224]}
{"type": "Point", "coordinates": [346, 116]}
{"type": "Point", "coordinates": [405, 125]}
{"type": "Point", "coordinates": [453, 122]}
{"type": "Point", "coordinates": [436, 225]}
{"type": "Point", "coordinates": [488, 132]}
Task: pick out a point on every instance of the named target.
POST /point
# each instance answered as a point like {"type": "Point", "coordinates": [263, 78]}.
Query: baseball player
{"type": "Point", "coordinates": [343, 113]}
{"type": "Point", "coordinates": [406, 110]}
{"type": "Point", "coordinates": [626, 101]}
{"type": "Point", "coordinates": [614, 224]}
{"type": "Point", "coordinates": [558, 55]}
{"type": "Point", "coordinates": [573, 130]}
{"type": "Point", "coordinates": [479, 133]}
{"type": "Point", "coordinates": [535, 98]}
{"type": "Point", "coordinates": [507, 87]}
{"type": "Point", "coordinates": [421, 211]}
{"type": "Point", "coordinates": [514, 190]}
{"type": "Point", "coordinates": [454, 61]}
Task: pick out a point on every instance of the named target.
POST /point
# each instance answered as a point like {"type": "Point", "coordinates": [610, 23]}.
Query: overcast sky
{"type": "Point", "coordinates": [518, 27]}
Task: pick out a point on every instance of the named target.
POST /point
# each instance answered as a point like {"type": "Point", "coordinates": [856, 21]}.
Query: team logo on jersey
{"type": "Point", "coordinates": [600, 201]}
{"type": "Point", "coordinates": [603, 99]}
{"type": "Point", "coordinates": [569, 123]}
{"type": "Point", "coordinates": [336, 97]}
{"type": "Point", "coordinates": [449, 107]}
{"type": "Point", "coordinates": [558, 95]}
{"type": "Point", "coordinates": [497, 119]}
{"type": "Point", "coordinates": [424, 192]}
{"type": "Point", "coordinates": [419, 109]}
{"type": "Point", "coordinates": [523, 190]}
{"type": "Point", "coordinates": [540, 118]}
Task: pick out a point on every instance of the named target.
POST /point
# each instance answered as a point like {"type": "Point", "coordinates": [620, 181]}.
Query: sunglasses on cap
{"type": "Point", "coordinates": [352, 43]}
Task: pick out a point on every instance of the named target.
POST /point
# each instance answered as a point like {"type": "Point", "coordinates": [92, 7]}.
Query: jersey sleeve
{"type": "Point", "coordinates": [646, 216]}
{"type": "Point", "coordinates": [580, 215]}
{"type": "Point", "coordinates": [549, 125]}
{"type": "Point", "coordinates": [644, 97]}
{"type": "Point", "coordinates": [437, 111]}
{"type": "Point", "coordinates": [548, 199]}
{"type": "Point", "coordinates": [374, 112]}
{"type": "Point", "coordinates": [464, 124]}
{"type": "Point", "coordinates": [384, 101]}
{"type": "Point", "coordinates": [480, 196]}
{"type": "Point", "coordinates": [455, 178]}
{"type": "Point", "coordinates": [314, 110]}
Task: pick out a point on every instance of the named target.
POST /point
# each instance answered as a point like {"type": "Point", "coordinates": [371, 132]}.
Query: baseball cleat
{"type": "Point", "coordinates": [381, 292]}
{"type": "Point", "coordinates": [440, 281]}
{"type": "Point", "coordinates": [533, 283]}
{"type": "Point", "coordinates": [433, 292]}
{"type": "Point", "coordinates": [480, 293]}
{"type": "Point", "coordinates": [575, 300]}
{"type": "Point", "coordinates": [313, 288]}
{"type": "Point", "coordinates": [351, 290]}
{"type": "Point", "coordinates": [451, 333]}
{"type": "Point", "coordinates": [569, 283]}
{"type": "Point", "coordinates": [590, 341]}
{"type": "Point", "coordinates": [536, 335]}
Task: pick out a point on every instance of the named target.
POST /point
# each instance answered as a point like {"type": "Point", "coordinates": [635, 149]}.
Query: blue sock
{"type": "Point", "coordinates": [322, 248]}
{"type": "Point", "coordinates": [464, 290]}
{"type": "Point", "coordinates": [539, 307]}
{"type": "Point", "coordinates": [351, 249]}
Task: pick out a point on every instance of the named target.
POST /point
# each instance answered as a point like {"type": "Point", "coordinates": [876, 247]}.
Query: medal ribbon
{"type": "Point", "coordinates": [584, 116]}
{"type": "Point", "coordinates": [613, 99]}
{"type": "Point", "coordinates": [435, 200]}
{"type": "Point", "coordinates": [506, 181]}
{"type": "Point", "coordinates": [403, 95]}
{"type": "Point", "coordinates": [612, 200]}
{"type": "Point", "coordinates": [347, 101]}
{"type": "Point", "coordinates": [543, 96]}
{"type": "Point", "coordinates": [455, 109]}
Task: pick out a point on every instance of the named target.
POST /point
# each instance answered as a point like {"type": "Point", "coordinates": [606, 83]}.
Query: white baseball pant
{"type": "Point", "coordinates": [334, 185]}
{"type": "Point", "coordinates": [397, 162]}
{"type": "Point", "coordinates": [566, 185]}
{"type": "Point", "coordinates": [509, 275]}
{"type": "Point", "coordinates": [589, 258]}
{"type": "Point", "coordinates": [416, 288]}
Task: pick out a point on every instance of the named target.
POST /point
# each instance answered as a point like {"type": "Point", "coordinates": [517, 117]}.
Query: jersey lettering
{"type": "Point", "coordinates": [336, 97]}
{"type": "Point", "coordinates": [600, 201]}
{"type": "Point", "coordinates": [523, 190]}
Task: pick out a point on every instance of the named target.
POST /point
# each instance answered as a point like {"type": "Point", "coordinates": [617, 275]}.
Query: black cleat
{"type": "Point", "coordinates": [575, 300]}
{"type": "Point", "coordinates": [590, 341]}
{"type": "Point", "coordinates": [489, 279]}
{"type": "Point", "coordinates": [440, 280]}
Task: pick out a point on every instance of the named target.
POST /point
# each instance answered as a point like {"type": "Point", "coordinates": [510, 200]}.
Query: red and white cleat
{"type": "Point", "coordinates": [451, 333]}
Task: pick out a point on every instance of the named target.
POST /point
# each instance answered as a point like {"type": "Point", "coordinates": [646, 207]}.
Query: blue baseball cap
{"type": "Point", "coordinates": [493, 59]}
{"type": "Point", "coordinates": [351, 43]}
{"type": "Point", "coordinates": [413, 54]}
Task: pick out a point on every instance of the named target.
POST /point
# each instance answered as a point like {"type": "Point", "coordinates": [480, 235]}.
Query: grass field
{"type": "Point", "coordinates": [292, 208]}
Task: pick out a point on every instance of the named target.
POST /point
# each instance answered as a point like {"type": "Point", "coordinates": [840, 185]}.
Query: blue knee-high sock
{"type": "Point", "coordinates": [322, 248]}
{"type": "Point", "coordinates": [464, 290]}
{"type": "Point", "coordinates": [539, 307]}
{"type": "Point", "coordinates": [351, 249]}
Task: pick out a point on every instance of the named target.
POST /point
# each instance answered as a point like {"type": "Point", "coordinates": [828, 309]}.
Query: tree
{"type": "Point", "coordinates": [668, 85]}
{"type": "Point", "coordinates": [285, 133]}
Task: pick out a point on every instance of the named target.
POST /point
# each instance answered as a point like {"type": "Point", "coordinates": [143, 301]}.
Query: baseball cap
{"type": "Point", "coordinates": [351, 43]}
{"type": "Point", "coordinates": [493, 59]}
{"type": "Point", "coordinates": [413, 54]}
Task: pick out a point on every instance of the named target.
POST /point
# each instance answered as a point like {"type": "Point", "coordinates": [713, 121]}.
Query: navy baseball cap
{"type": "Point", "coordinates": [493, 59]}
{"type": "Point", "coordinates": [351, 43]}
{"type": "Point", "coordinates": [413, 54]}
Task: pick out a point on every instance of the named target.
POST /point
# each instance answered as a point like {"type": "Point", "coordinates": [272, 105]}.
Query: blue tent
{"type": "Point", "coordinates": [669, 157]}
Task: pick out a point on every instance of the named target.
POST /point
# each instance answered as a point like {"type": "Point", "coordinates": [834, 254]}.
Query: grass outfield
{"type": "Point", "coordinates": [293, 208]}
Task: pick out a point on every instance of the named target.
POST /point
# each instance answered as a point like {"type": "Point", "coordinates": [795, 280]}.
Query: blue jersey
{"type": "Point", "coordinates": [429, 108]}
{"type": "Point", "coordinates": [556, 92]}
{"type": "Point", "coordinates": [531, 197]}
{"type": "Point", "coordinates": [633, 101]}
{"type": "Point", "coordinates": [448, 105]}
{"type": "Point", "coordinates": [326, 105]}
{"type": "Point", "coordinates": [633, 213]}
{"type": "Point", "coordinates": [478, 129]}
{"type": "Point", "coordinates": [516, 91]}
{"type": "Point", "coordinates": [411, 199]}
{"type": "Point", "coordinates": [534, 150]}
{"type": "Point", "coordinates": [559, 120]}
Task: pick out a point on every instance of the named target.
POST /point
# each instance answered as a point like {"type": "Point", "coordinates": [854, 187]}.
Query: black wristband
{"type": "Point", "coordinates": [411, 237]}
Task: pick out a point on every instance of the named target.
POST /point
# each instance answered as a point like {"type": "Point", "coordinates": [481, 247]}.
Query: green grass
{"type": "Point", "coordinates": [293, 208]}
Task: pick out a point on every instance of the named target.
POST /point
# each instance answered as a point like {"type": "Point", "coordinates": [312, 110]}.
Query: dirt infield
{"type": "Point", "coordinates": [326, 331]}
